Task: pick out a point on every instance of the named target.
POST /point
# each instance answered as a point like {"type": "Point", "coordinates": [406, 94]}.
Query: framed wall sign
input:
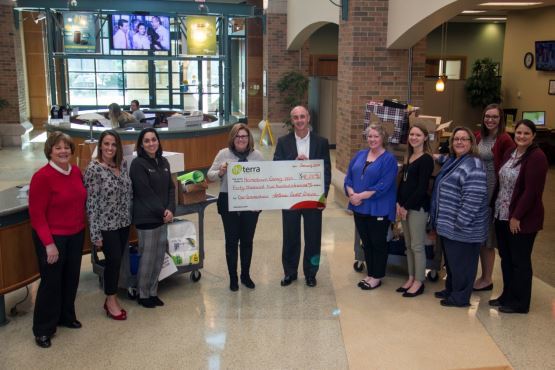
{"type": "Point", "coordinates": [551, 89]}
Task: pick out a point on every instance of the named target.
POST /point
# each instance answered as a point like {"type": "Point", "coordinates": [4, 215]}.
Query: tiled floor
{"type": "Point", "coordinates": [333, 326]}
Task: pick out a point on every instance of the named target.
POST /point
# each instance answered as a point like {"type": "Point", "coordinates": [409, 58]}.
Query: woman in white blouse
{"type": "Point", "coordinates": [239, 227]}
{"type": "Point", "coordinates": [109, 195]}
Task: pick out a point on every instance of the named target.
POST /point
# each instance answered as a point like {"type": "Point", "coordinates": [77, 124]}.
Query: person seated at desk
{"type": "Point", "coordinates": [136, 111]}
{"type": "Point", "coordinates": [119, 118]}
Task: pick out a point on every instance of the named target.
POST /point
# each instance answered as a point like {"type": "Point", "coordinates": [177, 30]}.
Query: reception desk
{"type": "Point", "coordinates": [199, 144]}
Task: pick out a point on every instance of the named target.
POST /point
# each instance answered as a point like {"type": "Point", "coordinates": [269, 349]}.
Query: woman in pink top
{"type": "Point", "coordinates": [57, 210]}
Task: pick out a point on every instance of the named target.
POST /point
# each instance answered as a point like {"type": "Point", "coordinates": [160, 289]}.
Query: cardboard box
{"type": "Point", "coordinates": [433, 125]}
{"type": "Point", "coordinates": [191, 193]}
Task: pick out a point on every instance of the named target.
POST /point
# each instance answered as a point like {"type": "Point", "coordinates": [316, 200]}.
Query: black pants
{"type": "Point", "coordinates": [114, 243]}
{"type": "Point", "coordinates": [239, 228]}
{"type": "Point", "coordinates": [291, 252]}
{"type": "Point", "coordinates": [515, 251]}
{"type": "Point", "coordinates": [373, 234]}
{"type": "Point", "coordinates": [55, 301]}
{"type": "Point", "coordinates": [461, 262]}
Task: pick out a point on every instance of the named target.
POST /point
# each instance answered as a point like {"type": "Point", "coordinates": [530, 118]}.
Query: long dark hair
{"type": "Point", "coordinates": [501, 128]}
{"type": "Point", "coordinates": [139, 146]}
{"type": "Point", "coordinates": [118, 158]}
{"type": "Point", "coordinates": [427, 149]}
{"type": "Point", "coordinates": [532, 127]}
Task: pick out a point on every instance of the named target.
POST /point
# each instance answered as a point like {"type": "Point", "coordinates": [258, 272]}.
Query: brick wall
{"type": "Point", "coordinates": [367, 70]}
{"type": "Point", "coordinates": [12, 73]}
{"type": "Point", "coordinates": [278, 61]}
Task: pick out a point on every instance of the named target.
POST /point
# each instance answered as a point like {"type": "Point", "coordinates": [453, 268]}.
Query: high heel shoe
{"type": "Point", "coordinates": [122, 315]}
{"type": "Point", "coordinates": [417, 293]}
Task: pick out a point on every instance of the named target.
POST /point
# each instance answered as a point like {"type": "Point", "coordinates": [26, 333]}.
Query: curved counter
{"type": "Point", "coordinates": [199, 144]}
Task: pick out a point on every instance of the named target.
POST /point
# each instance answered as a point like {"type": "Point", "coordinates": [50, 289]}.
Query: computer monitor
{"type": "Point", "coordinates": [537, 117]}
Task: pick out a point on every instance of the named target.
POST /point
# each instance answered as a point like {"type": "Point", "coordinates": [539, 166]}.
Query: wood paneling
{"type": "Point", "coordinates": [198, 152]}
{"type": "Point", "coordinates": [18, 261]}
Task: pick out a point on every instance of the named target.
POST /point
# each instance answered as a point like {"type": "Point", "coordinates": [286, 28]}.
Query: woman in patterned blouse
{"type": "Point", "coordinates": [108, 207]}
{"type": "Point", "coordinates": [519, 216]}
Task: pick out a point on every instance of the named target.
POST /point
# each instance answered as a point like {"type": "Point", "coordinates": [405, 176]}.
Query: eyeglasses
{"type": "Point", "coordinates": [460, 139]}
{"type": "Point", "coordinates": [491, 117]}
{"type": "Point", "coordinates": [242, 137]}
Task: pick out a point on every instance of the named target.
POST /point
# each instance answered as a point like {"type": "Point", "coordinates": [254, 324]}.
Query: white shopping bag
{"type": "Point", "coordinates": [182, 243]}
{"type": "Point", "coordinates": [168, 268]}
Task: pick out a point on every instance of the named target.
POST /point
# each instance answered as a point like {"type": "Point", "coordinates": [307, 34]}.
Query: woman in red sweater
{"type": "Point", "coordinates": [493, 142]}
{"type": "Point", "coordinates": [57, 210]}
{"type": "Point", "coordinates": [519, 216]}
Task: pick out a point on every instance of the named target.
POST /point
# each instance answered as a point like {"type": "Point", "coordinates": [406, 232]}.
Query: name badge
{"type": "Point", "coordinates": [380, 218]}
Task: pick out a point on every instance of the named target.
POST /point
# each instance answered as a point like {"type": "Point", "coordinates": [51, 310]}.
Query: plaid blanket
{"type": "Point", "coordinates": [399, 117]}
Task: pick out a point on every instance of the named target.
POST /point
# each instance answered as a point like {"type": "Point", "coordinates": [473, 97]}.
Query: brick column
{"type": "Point", "coordinates": [14, 121]}
{"type": "Point", "coordinates": [367, 70]}
{"type": "Point", "coordinates": [277, 60]}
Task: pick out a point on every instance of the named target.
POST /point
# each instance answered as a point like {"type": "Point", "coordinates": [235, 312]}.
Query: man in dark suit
{"type": "Point", "coordinates": [302, 144]}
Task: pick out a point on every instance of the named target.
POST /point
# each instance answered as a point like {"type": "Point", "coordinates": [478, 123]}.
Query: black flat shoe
{"type": "Point", "coordinates": [417, 293]}
{"type": "Point", "coordinates": [367, 286]}
{"type": "Point", "coordinates": [495, 302]}
{"type": "Point", "coordinates": [486, 288]}
{"type": "Point", "coordinates": [43, 341]}
{"type": "Point", "coordinates": [448, 303]}
{"type": "Point", "coordinates": [233, 284]}
{"type": "Point", "coordinates": [509, 309]}
{"type": "Point", "coordinates": [247, 281]}
{"type": "Point", "coordinates": [288, 279]}
{"type": "Point", "coordinates": [157, 301]}
{"type": "Point", "coordinates": [401, 289]}
{"type": "Point", "coordinates": [146, 302]}
{"type": "Point", "coordinates": [75, 324]}
{"type": "Point", "coordinates": [311, 281]}
{"type": "Point", "coordinates": [442, 294]}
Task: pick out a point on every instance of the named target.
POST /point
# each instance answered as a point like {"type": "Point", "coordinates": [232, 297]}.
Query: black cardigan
{"type": "Point", "coordinates": [413, 193]}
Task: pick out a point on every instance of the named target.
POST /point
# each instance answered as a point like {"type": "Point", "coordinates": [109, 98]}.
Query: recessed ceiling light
{"type": "Point", "coordinates": [512, 4]}
{"type": "Point", "coordinates": [473, 11]}
{"type": "Point", "coordinates": [491, 18]}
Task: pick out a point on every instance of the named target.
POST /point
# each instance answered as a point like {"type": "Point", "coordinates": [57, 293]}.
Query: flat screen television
{"type": "Point", "coordinates": [537, 117]}
{"type": "Point", "coordinates": [545, 55]}
{"type": "Point", "coordinates": [139, 32]}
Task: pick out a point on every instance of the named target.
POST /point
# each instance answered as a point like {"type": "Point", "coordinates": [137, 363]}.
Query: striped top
{"type": "Point", "coordinates": [459, 208]}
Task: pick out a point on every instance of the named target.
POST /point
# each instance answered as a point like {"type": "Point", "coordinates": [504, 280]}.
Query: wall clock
{"type": "Point", "coordinates": [528, 60]}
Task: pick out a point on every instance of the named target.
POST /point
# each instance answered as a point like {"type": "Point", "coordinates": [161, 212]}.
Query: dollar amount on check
{"type": "Point", "coordinates": [276, 185]}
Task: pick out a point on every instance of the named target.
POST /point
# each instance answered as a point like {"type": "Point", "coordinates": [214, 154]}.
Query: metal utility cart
{"type": "Point", "coordinates": [187, 209]}
{"type": "Point", "coordinates": [181, 210]}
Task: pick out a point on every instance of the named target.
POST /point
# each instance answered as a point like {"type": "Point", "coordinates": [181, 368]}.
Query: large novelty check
{"type": "Point", "coordinates": [276, 185]}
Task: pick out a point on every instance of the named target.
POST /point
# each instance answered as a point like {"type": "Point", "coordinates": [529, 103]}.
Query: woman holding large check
{"type": "Point", "coordinates": [239, 227]}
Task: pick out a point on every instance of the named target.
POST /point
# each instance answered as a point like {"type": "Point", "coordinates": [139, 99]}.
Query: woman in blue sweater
{"type": "Point", "coordinates": [459, 214]}
{"type": "Point", "coordinates": [370, 186]}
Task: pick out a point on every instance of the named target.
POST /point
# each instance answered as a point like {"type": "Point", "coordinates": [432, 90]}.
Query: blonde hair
{"type": "Point", "coordinates": [380, 130]}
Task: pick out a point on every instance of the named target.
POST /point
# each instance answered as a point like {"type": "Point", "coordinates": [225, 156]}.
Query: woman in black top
{"type": "Point", "coordinates": [153, 208]}
{"type": "Point", "coordinates": [413, 205]}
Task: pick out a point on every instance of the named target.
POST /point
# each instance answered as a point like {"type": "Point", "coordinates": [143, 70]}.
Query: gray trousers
{"type": "Point", "coordinates": [153, 244]}
{"type": "Point", "coordinates": [414, 230]}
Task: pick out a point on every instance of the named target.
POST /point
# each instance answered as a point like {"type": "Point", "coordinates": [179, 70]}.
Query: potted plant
{"type": "Point", "coordinates": [293, 87]}
{"type": "Point", "coordinates": [483, 87]}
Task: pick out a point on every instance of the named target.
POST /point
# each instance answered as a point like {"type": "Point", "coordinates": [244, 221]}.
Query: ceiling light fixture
{"type": "Point", "coordinates": [440, 83]}
{"type": "Point", "coordinates": [512, 4]}
{"type": "Point", "coordinates": [473, 11]}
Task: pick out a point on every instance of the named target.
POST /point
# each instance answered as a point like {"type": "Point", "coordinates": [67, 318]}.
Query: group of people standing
{"type": "Point", "coordinates": [113, 198]}
{"type": "Point", "coordinates": [487, 193]}
{"type": "Point", "coordinates": [239, 227]}
{"type": "Point", "coordinates": [488, 185]}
